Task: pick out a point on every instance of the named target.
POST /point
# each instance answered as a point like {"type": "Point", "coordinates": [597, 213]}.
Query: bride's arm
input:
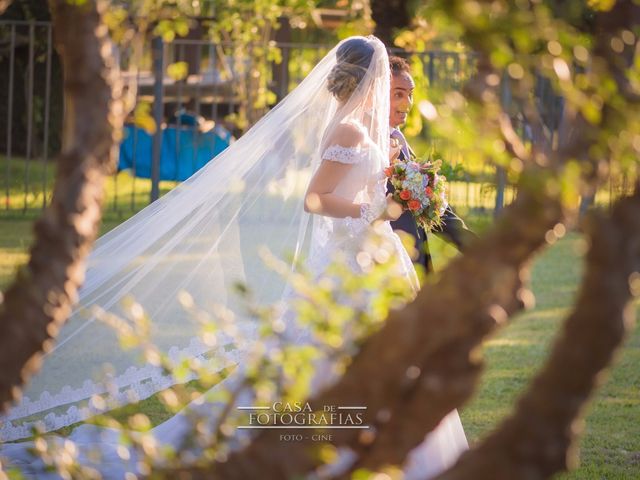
{"type": "Point", "coordinates": [320, 198]}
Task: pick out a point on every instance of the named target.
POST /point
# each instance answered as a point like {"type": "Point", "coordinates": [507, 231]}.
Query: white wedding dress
{"type": "Point", "coordinates": [195, 227]}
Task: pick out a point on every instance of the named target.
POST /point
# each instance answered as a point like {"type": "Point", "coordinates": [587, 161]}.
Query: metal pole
{"type": "Point", "coordinates": [178, 108]}
{"type": "Point", "coordinates": [432, 69]}
{"type": "Point", "coordinates": [12, 49]}
{"type": "Point", "coordinates": [31, 66]}
{"type": "Point", "coordinates": [196, 132]}
{"type": "Point", "coordinates": [501, 174]}
{"type": "Point", "coordinates": [158, 107]}
{"type": "Point", "coordinates": [137, 55]}
{"type": "Point", "coordinates": [213, 59]}
{"type": "Point", "coordinates": [47, 96]}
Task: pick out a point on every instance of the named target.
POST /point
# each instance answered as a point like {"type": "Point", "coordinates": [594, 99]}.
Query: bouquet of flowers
{"type": "Point", "coordinates": [420, 189]}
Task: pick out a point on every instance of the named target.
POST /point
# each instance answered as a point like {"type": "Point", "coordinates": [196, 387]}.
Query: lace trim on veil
{"type": "Point", "coordinates": [136, 383]}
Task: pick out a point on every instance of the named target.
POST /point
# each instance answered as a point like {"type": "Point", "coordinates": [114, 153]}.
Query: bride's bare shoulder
{"type": "Point", "coordinates": [348, 134]}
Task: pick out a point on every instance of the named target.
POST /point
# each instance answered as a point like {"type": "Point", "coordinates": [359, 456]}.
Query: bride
{"type": "Point", "coordinates": [307, 179]}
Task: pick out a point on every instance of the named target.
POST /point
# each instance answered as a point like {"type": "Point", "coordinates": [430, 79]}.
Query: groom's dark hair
{"type": "Point", "coordinates": [398, 65]}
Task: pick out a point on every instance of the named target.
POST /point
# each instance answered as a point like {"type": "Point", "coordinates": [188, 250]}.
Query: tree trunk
{"type": "Point", "coordinates": [389, 16]}
{"type": "Point", "coordinates": [41, 298]}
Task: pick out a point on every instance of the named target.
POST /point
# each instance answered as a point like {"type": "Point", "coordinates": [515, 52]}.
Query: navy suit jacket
{"type": "Point", "coordinates": [453, 230]}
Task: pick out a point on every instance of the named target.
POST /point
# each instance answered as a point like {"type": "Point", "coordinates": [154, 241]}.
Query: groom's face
{"type": "Point", "coordinates": [402, 86]}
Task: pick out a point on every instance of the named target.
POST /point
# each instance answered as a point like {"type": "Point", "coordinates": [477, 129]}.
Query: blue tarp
{"type": "Point", "coordinates": [184, 150]}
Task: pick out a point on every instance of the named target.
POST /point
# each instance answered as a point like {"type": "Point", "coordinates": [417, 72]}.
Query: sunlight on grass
{"type": "Point", "coordinates": [505, 342]}
{"type": "Point", "coordinates": [539, 314]}
{"type": "Point", "coordinates": [9, 264]}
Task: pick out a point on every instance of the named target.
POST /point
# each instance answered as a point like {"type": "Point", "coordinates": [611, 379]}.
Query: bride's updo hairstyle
{"type": "Point", "coordinates": [354, 57]}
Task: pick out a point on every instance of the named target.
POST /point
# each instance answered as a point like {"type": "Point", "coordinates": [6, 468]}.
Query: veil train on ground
{"type": "Point", "coordinates": [203, 237]}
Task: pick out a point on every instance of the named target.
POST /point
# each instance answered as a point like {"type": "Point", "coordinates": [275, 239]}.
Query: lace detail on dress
{"type": "Point", "coordinates": [341, 154]}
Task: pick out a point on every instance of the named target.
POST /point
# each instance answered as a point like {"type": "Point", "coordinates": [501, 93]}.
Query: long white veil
{"type": "Point", "coordinates": [203, 238]}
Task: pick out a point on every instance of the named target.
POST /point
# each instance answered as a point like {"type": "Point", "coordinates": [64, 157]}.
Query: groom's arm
{"type": "Point", "coordinates": [454, 230]}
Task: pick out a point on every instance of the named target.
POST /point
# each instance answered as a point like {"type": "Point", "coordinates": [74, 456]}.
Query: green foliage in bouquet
{"type": "Point", "coordinates": [453, 173]}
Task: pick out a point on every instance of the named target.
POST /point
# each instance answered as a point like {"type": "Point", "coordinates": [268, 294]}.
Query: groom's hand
{"type": "Point", "coordinates": [394, 149]}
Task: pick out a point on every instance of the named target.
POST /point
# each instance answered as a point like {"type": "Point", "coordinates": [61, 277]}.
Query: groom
{"type": "Point", "coordinates": [453, 229]}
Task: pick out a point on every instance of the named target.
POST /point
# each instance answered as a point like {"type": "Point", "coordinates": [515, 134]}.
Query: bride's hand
{"type": "Point", "coordinates": [394, 149]}
{"type": "Point", "coordinates": [392, 211]}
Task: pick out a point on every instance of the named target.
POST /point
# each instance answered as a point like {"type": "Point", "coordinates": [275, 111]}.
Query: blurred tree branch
{"type": "Point", "coordinates": [538, 439]}
{"type": "Point", "coordinates": [390, 16]}
{"type": "Point", "coordinates": [39, 301]}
